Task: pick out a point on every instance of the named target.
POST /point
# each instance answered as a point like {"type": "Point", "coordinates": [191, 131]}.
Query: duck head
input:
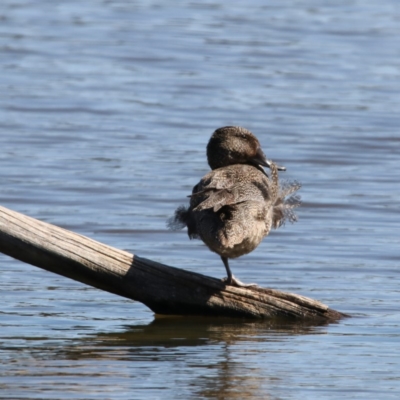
{"type": "Point", "coordinates": [236, 145]}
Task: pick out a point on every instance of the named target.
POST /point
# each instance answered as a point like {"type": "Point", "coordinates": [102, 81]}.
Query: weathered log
{"type": "Point", "coordinates": [164, 289]}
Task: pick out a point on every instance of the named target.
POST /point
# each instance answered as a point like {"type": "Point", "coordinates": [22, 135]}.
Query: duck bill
{"type": "Point", "coordinates": [278, 167]}
{"type": "Point", "coordinates": [260, 159]}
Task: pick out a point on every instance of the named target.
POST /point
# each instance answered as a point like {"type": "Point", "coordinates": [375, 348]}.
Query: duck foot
{"type": "Point", "coordinates": [236, 282]}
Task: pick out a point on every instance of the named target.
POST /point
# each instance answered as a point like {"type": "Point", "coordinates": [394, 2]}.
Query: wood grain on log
{"type": "Point", "coordinates": [164, 289]}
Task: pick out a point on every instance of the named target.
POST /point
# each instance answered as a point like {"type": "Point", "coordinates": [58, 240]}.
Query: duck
{"type": "Point", "coordinates": [233, 207]}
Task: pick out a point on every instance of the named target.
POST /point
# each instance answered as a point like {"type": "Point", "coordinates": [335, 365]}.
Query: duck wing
{"type": "Point", "coordinates": [228, 186]}
{"type": "Point", "coordinates": [217, 198]}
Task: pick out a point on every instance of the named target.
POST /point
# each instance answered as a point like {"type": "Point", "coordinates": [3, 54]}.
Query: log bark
{"type": "Point", "coordinates": [164, 289]}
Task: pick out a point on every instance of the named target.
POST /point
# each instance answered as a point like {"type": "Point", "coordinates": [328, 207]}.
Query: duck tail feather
{"type": "Point", "coordinates": [179, 220]}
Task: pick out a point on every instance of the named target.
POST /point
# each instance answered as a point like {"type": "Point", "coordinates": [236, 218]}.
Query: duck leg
{"type": "Point", "coordinates": [231, 280]}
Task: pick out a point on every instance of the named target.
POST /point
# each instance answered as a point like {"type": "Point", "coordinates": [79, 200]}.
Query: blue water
{"type": "Point", "coordinates": [105, 111]}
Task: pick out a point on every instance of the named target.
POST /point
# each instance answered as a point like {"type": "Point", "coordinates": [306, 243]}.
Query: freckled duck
{"type": "Point", "coordinates": [234, 206]}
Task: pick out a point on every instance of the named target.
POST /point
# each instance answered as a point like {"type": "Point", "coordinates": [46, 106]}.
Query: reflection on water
{"type": "Point", "coordinates": [105, 112]}
{"type": "Point", "coordinates": [210, 348]}
{"type": "Point", "coordinates": [170, 332]}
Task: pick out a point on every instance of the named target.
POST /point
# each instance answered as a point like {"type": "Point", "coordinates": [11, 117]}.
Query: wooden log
{"type": "Point", "coordinates": [164, 289]}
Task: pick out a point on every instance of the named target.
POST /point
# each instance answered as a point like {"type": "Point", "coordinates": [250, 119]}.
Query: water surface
{"type": "Point", "coordinates": [105, 112]}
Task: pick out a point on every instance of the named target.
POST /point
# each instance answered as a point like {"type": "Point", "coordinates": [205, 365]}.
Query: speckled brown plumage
{"type": "Point", "coordinates": [235, 205]}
